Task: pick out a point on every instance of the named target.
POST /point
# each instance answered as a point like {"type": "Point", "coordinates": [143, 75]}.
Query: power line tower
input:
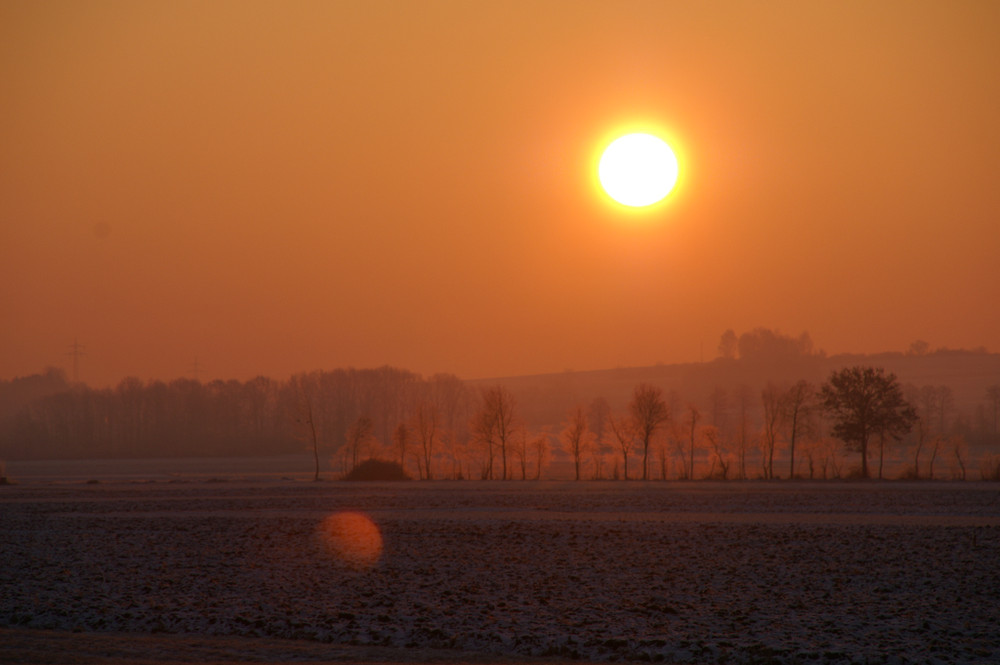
{"type": "Point", "coordinates": [196, 369]}
{"type": "Point", "coordinates": [76, 352]}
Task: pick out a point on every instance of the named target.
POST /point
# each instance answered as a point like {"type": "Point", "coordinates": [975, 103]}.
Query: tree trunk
{"type": "Point", "coordinates": [312, 428]}
{"type": "Point", "coordinates": [881, 453]}
{"type": "Point", "coordinates": [791, 447]}
{"type": "Point", "coordinates": [864, 456]}
{"type": "Point", "coordinates": [645, 457]}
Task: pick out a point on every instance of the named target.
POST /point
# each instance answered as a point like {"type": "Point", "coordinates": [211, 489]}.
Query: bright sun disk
{"type": "Point", "coordinates": [637, 170]}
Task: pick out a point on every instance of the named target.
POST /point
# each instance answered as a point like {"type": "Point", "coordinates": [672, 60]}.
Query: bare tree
{"type": "Point", "coordinates": [401, 437]}
{"type": "Point", "coordinates": [744, 397]}
{"type": "Point", "coordinates": [600, 451]}
{"type": "Point", "coordinates": [894, 427]}
{"type": "Point", "coordinates": [496, 424]}
{"type": "Point", "coordinates": [692, 426]}
{"type": "Point", "coordinates": [719, 455]}
{"type": "Point", "coordinates": [649, 413]}
{"type": "Point", "coordinates": [810, 452]}
{"type": "Point", "coordinates": [540, 449]}
{"type": "Point", "coordinates": [425, 422]}
{"type": "Point", "coordinates": [719, 409]}
{"type": "Point", "coordinates": [360, 439]}
{"type": "Point", "coordinates": [799, 402]}
{"type": "Point", "coordinates": [519, 446]}
{"type": "Point", "coordinates": [622, 430]}
{"type": "Point", "coordinates": [576, 435]}
{"type": "Point", "coordinates": [829, 463]}
{"type": "Point", "coordinates": [993, 397]}
{"type": "Point", "coordinates": [936, 444]}
{"type": "Point", "coordinates": [597, 417]}
{"type": "Point", "coordinates": [945, 406]}
{"type": "Point", "coordinates": [452, 397]}
{"type": "Point", "coordinates": [663, 453]}
{"type": "Point", "coordinates": [484, 433]}
{"type": "Point", "coordinates": [961, 452]}
{"type": "Point", "coordinates": [771, 399]}
{"type": "Point", "coordinates": [923, 400]}
{"type": "Point", "coordinates": [306, 389]}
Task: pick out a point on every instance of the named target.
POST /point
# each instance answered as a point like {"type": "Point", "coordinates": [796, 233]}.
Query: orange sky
{"type": "Point", "coordinates": [304, 185]}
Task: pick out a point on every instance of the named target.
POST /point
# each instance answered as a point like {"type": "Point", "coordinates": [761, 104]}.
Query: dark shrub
{"type": "Point", "coordinates": [377, 469]}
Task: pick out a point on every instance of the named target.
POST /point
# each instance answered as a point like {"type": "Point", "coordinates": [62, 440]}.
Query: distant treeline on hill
{"type": "Point", "coordinates": [43, 416]}
{"type": "Point", "coordinates": [718, 420]}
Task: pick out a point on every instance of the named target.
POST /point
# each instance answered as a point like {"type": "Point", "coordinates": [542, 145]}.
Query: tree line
{"type": "Point", "coordinates": [443, 427]}
{"type": "Point", "coordinates": [437, 426]}
{"type": "Point", "coordinates": [813, 429]}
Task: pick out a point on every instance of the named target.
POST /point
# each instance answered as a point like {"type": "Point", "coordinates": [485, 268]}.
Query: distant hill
{"type": "Point", "coordinates": [544, 399]}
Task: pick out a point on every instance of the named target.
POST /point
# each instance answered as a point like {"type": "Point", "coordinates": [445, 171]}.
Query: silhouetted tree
{"type": "Point", "coordinates": [799, 402]}
{"type": "Point", "coordinates": [936, 443]}
{"type": "Point", "coordinates": [865, 402]}
{"type": "Point", "coordinates": [260, 403]}
{"type": "Point", "coordinates": [719, 454]}
{"type": "Point", "coordinates": [933, 404]}
{"type": "Point", "coordinates": [484, 433]}
{"type": "Point", "coordinates": [576, 436]}
{"type": "Point", "coordinates": [993, 397]}
{"type": "Point", "coordinates": [622, 430]}
{"type": "Point", "coordinates": [601, 450]}
{"type": "Point", "coordinates": [306, 389]}
{"type": "Point", "coordinates": [597, 417]}
{"type": "Point", "coordinates": [495, 423]}
{"type": "Point", "coordinates": [945, 407]}
{"type": "Point", "coordinates": [728, 345]}
{"type": "Point", "coordinates": [19, 392]}
{"type": "Point", "coordinates": [915, 396]}
{"type": "Point", "coordinates": [694, 415]}
{"type": "Point", "coordinates": [425, 423]}
{"type": "Point", "coordinates": [960, 450]}
{"type": "Point", "coordinates": [453, 399]}
{"type": "Point", "coordinates": [771, 400]}
{"type": "Point", "coordinates": [519, 453]}
{"type": "Point", "coordinates": [540, 448]}
{"type": "Point", "coordinates": [719, 408]}
{"type": "Point", "coordinates": [744, 396]}
{"type": "Point", "coordinates": [401, 439]}
{"type": "Point", "coordinates": [649, 413]}
{"type": "Point", "coordinates": [360, 438]}
{"type": "Point", "coordinates": [765, 345]}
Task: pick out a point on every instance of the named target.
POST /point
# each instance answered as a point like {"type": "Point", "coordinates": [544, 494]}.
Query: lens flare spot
{"type": "Point", "coordinates": [352, 538]}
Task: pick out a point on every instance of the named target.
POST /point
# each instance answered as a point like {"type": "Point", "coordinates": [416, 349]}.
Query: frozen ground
{"type": "Point", "coordinates": [678, 572]}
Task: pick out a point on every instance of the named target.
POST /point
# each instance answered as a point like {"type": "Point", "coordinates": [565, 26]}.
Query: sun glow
{"type": "Point", "coordinates": [637, 170]}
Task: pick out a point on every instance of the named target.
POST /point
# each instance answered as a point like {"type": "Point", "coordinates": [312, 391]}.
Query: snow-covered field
{"type": "Point", "coordinates": [675, 572]}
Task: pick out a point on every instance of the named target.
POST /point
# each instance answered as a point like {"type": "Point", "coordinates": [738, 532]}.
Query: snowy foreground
{"type": "Point", "coordinates": [675, 572]}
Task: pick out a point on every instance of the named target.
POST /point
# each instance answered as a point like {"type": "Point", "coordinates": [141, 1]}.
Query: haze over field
{"type": "Point", "coordinates": [272, 188]}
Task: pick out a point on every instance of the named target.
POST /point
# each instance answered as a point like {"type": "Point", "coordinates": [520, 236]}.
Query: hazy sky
{"type": "Point", "coordinates": [272, 187]}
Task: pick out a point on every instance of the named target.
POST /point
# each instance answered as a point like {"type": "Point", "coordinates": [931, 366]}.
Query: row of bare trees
{"type": "Point", "coordinates": [437, 426]}
{"type": "Point", "coordinates": [860, 410]}
{"type": "Point", "coordinates": [440, 426]}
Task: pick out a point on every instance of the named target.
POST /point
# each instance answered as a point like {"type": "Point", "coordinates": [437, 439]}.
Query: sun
{"type": "Point", "coordinates": [637, 170]}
